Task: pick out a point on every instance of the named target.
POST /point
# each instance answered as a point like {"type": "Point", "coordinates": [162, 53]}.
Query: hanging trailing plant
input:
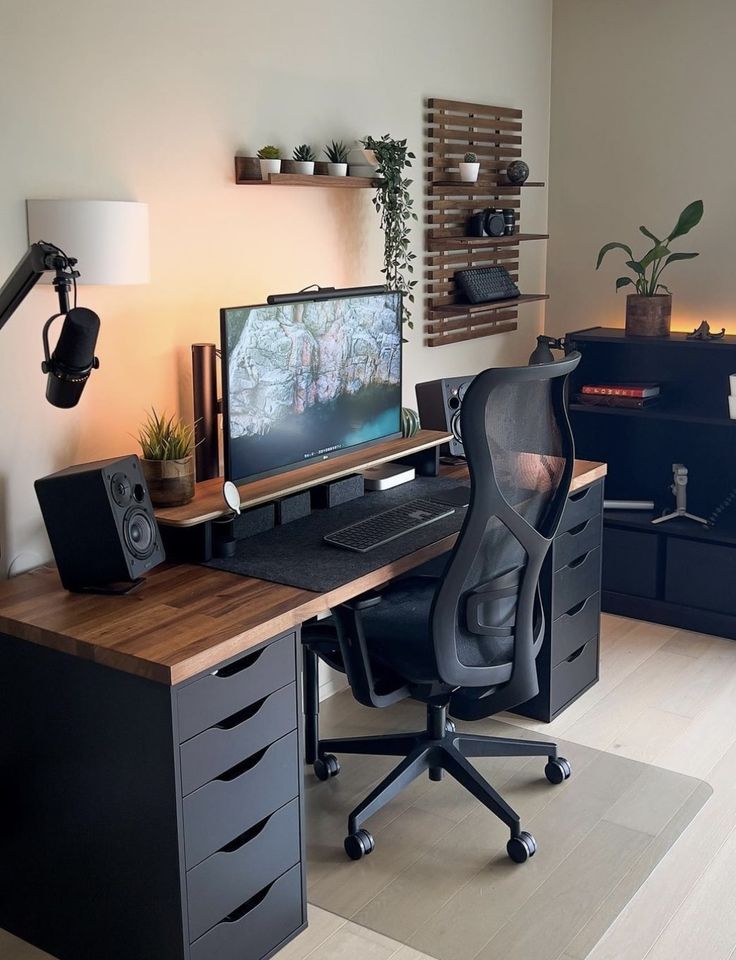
{"type": "Point", "coordinates": [394, 203]}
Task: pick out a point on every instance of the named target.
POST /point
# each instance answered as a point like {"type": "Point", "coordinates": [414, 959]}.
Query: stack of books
{"type": "Point", "coordinates": [636, 395]}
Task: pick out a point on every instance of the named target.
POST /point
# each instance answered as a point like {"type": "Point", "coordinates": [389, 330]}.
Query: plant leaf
{"type": "Point", "coordinates": [690, 217]}
{"type": "Point", "coordinates": [656, 253]}
{"type": "Point", "coordinates": [623, 282]}
{"type": "Point", "coordinates": [680, 256]}
{"type": "Point", "coordinates": [612, 246]}
{"type": "Point", "coordinates": [648, 233]}
{"type": "Point", "coordinates": [636, 266]}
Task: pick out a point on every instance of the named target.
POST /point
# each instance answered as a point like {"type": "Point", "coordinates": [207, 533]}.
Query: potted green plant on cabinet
{"type": "Point", "coordinates": [168, 463]}
{"type": "Point", "coordinates": [393, 202]}
{"type": "Point", "coordinates": [648, 312]}
{"type": "Point", "coordinates": [337, 158]}
{"type": "Point", "coordinates": [270, 158]}
{"type": "Point", "coordinates": [304, 159]}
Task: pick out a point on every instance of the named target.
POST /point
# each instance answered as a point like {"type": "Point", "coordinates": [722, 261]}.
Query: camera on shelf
{"type": "Point", "coordinates": [491, 222]}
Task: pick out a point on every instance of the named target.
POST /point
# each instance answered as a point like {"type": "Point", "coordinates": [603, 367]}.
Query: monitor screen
{"type": "Point", "coordinates": [309, 380]}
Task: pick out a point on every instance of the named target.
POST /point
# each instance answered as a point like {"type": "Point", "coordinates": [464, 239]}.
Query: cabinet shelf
{"type": "Point", "coordinates": [654, 413]}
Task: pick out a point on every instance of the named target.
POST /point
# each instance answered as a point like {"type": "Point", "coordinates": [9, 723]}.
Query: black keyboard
{"type": "Point", "coordinates": [485, 284]}
{"type": "Point", "coordinates": [374, 531]}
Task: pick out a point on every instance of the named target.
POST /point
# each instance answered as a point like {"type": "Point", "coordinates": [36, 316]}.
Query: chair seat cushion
{"type": "Point", "coordinates": [397, 632]}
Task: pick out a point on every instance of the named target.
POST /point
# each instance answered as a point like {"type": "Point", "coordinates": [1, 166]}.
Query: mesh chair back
{"type": "Point", "coordinates": [486, 612]}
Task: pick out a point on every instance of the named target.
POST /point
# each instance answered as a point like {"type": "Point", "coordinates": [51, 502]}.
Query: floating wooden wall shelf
{"type": "Point", "coordinates": [494, 135]}
{"type": "Point", "coordinates": [248, 173]}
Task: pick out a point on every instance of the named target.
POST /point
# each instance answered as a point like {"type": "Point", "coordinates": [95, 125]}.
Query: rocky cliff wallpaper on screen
{"type": "Point", "coordinates": [309, 379]}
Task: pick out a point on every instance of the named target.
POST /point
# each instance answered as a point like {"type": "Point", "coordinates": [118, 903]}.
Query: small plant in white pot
{"type": "Point", "coordinates": [270, 158]}
{"type": "Point", "coordinates": [167, 462]}
{"type": "Point", "coordinates": [304, 159]}
{"type": "Point", "coordinates": [337, 158]}
{"type": "Point", "coordinates": [469, 168]}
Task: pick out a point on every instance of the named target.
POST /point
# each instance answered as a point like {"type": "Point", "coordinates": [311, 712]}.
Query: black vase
{"type": "Point", "coordinates": [517, 172]}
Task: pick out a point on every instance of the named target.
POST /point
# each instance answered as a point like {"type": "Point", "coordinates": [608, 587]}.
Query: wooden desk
{"type": "Point", "coordinates": [150, 761]}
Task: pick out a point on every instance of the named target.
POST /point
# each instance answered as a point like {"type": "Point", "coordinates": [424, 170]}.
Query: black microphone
{"type": "Point", "coordinates": [73, 359]}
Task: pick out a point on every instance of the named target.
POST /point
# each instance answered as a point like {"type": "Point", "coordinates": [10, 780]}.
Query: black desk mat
{"type": "Point", "coordinates": [296, 555]}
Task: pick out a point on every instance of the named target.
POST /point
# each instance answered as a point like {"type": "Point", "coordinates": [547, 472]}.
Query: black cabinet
{"type": "Point", "coordinates": [679, 572]}
{"type": "Point", "coordinates": [567, 664]}
{"type": "Point", "coordinates": [175, 811]}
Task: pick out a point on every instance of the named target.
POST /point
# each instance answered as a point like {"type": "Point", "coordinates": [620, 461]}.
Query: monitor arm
{"type": "Point", "coordinates": [39, 258]}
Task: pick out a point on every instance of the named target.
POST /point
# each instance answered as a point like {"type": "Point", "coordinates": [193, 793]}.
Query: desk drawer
{"type": "Point", "coordinates": [581, 506]}
{"type": "Point", "coordinates": [578, 540]}
{"type": "Point", "coordinates": [205, 756]}
{"type": "Point", "coordinates": [205, 702]}
{"type": "Point", "coordinates": [258, 926]}
{"type": "Point", "coordinates": [241, 869]}
{"type": "Point", "coordinates": [575, 582]}
{"type": "Point", "coordinates": [578, 625]}
{"type": "Point", "coordinates": [573, 675]}
{"type": "Point", "coordinates": [228, 806]}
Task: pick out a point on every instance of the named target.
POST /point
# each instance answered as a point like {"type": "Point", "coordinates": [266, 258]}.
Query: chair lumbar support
{"type": "Point", "coordinates": [436, 749]}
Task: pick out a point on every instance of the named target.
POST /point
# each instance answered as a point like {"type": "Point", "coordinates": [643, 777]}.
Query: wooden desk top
{"type": "Point", "coordinates": [186, 619]}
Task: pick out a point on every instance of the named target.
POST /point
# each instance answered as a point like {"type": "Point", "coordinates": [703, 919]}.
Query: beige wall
{"type": "Point", "coordinates": [642, 123]}
{"type": "Point", "coordinates": [149, 100]}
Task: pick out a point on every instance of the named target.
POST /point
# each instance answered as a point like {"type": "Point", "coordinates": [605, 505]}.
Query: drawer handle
{"type": "Point", "coordinates": [576, 531]}
{"type": "Point", "coordinates": [578, 653]}
{"type": "Point", "coordinates": [237, 718]}
{"type": "Point", "coordinates": [581, 495]}
{"type": "Point", "coordinates": [248, 905]}
{"type": "Point", "coordinates": [246, 837]}
{"type": "Point", "coordinates": [580, 560]}
{"type": "Point", "coordinates": [233, 668]}
{"type": "Point", "coordinates": [574, 611]}
{"type": "Point", "coordinates": [234, 772]}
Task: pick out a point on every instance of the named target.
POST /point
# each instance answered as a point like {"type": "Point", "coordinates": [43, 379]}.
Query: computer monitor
{"type": "Point", "coordinates": [309, 380]}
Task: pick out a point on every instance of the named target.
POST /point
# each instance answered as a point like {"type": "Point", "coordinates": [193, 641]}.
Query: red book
{"type": "Point", "coordinates": [639, 390]}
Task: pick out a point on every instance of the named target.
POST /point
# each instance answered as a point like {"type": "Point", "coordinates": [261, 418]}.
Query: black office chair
{"type": "Point", "coordinates": [464, 642]}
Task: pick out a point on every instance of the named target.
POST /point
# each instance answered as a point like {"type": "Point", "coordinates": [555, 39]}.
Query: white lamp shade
{"type": "Point", "coordinates": [109, 238]}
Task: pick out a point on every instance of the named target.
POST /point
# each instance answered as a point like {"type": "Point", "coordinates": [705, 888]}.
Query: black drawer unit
{"type": "Point", "coordinates": [192, 792]}
{"type": "Point", "coordinates": [570, 584]}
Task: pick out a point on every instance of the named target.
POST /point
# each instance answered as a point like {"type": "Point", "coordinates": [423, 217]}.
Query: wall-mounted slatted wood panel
{"type": "Point", "coordinates": [454, 128]}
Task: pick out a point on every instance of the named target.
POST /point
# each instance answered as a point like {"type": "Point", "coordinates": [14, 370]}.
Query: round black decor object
{"type": "Point", "coordinates": [517, 172]}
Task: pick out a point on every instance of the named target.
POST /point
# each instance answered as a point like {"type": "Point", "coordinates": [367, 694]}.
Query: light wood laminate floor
{"type": "Point", "coordinates": [666, 697]}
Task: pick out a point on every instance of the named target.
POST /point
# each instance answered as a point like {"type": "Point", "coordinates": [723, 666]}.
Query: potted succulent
{"type": "Point", "coordinates": [337, 158]}
{"type": "Point", "coordinates": [469, 168]}
{"type": "Point", "coordinates": [304, 159]}
{"type": "Point", "coordinates": [394, 203]}
{"type": "Point", "coordinates": [167, 461]}
{"type": "Point", "coordinates": [648, 311]}
{"type": "Point", "coordinates": [270, 158]}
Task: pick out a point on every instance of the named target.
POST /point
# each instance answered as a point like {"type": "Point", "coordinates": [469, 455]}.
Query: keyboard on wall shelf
{"type": "Point", "coordinates": [485, 284]}
{"type": "Point", "coordinates": [381, 528]}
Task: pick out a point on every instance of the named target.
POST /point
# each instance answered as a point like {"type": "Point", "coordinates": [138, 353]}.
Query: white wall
{"type": "Point", "coordinates": [149, 100]}
{"type": "Point", "coordinates": [642, 124]}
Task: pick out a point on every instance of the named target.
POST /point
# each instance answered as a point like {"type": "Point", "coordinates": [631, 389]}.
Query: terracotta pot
{"type": "Point", "coordinates": [648, 316]}
{"type": "Point", "coordinates": [170, 482]}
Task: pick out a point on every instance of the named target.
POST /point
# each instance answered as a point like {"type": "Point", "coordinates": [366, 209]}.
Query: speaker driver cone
{"type": "Point", "coordinates": [139, 533]}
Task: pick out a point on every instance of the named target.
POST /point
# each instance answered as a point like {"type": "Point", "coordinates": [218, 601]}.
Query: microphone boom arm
{"type": "Point", "coordinates": [39, 258]}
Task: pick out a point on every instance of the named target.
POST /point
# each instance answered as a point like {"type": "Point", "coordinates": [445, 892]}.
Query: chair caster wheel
{"type": "Point", "coordinates": [522, 847]}
{"type": "Point", "coordinates": [359, 844]}
{"type": "Point", "coordinates": [326, 767]}
{"type": "Point", "coordinates": [557, 770]}
{"type": "Point", "coordinates": [450, 727]}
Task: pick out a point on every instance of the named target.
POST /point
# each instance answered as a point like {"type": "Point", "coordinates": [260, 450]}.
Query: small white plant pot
{"type": "Point", "coordinates": [269, 166]}
{"type": "Point", "coordinates": [732, 407]}
{"type": "Point", "coordinates": [337, 169]}
{"type": "Point", "coordinates": [469, 171]}
{"type": "Point", "coordinates": [732, 380]}
{"type": "Point", "coordinates": [304, 167]}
